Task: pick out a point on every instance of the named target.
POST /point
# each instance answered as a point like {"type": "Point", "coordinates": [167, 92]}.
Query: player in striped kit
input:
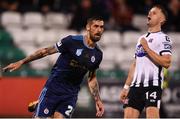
{"type": "Point", "coordinates": [143, 85]}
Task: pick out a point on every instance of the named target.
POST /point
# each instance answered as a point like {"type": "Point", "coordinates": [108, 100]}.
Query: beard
{"type": "Point", "coordinates": [96, 37]}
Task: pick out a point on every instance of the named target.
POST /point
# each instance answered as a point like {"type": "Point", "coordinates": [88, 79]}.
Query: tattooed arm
{"type": "Point", "coordinates": [94, 89]}
{"type": "Point", "coordinates": [93, 85]}
{"type": "Point", "coordinates": [40, 54]}
{"type": "Point", "coordinates": [36, 55]}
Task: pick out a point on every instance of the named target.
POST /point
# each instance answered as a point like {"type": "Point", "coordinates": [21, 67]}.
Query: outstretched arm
{"type": "Point", "coordinates": [36, 55]}
{"type": "Point", "coordinates": [94, 89]}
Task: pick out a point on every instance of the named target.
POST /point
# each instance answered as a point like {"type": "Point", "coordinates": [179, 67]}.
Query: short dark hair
{"type": "Point", "coordinates": [95, 18]}
{"type": "Point", "coordinates": [163, 10]}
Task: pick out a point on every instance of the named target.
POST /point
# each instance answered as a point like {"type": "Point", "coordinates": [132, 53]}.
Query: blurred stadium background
{"type": "Point", "coordinates": [27, 25]}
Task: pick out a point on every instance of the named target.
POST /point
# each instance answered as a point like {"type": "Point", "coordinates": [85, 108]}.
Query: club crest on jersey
{"type": "Point", "coordinates": [150, 40]}
{"type": "Point", "coordinates": [79, 52]}
{"type": "Point", "coordinates": [93, 59]}
{"type": "Point", "coordinates": [140, 51]}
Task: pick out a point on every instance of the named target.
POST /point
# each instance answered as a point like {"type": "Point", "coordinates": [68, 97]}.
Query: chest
{"type": "Point", "coordinates": [152, 43]}
{"type": "Point", "coordinates": [84, 56]}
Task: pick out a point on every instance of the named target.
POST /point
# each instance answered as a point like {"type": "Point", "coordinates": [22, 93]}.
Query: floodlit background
{"type": "Point", "coordinates": [27, 25]}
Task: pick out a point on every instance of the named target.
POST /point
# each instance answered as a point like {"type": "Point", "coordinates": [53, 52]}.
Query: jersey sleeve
{"type": "Point", "coordinates": [63, 44]}
{"type": "Point", "coordinates": [165, 45]}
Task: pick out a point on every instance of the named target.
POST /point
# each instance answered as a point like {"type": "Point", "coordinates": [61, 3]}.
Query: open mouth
{"type": "Point", "coordinates": [149, 18]}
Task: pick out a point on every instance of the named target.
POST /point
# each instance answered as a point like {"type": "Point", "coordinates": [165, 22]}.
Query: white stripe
{"type": "Point", "coordinates": [155, 82]}
{"type": "Point", "coordinates": [134, 78]}
{"type": "Point", "coordinates": [155, 76]}
{"type": "Point", "coordinates": [43, 93]}
{"type": "Point", "coordinates": [146, 83]}
{"type": "Point", "coordinates": [158, 104]}
{"type": "Point", "coordinates": [138, 79]}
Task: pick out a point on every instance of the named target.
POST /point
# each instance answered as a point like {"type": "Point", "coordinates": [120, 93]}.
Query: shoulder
{"type": "Point", "coordinates": [77, 37]}
{"type": "Point", "coordinates": [66, 39]}
{"type": "Point", "coordinates": [99, 49]}
{"type": "Point", "coordinates": [72, 38]}
{"type": "Point", "coordinates": [164, 37]}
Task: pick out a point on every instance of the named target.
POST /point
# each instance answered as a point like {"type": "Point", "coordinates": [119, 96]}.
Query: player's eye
{"type": "Point", "coordinates": [101, 27]}
{"type": "Point", "coordinates": [96, 26]}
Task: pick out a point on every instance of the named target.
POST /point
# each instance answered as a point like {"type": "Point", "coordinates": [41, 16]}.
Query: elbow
{"type": "Point", "coordinates": [167, 65]}
{"type": "Point", "coordinates": [167, 62]}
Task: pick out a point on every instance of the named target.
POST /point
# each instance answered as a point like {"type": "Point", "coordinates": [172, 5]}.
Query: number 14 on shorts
{"type": "Point", "coordinates": [150, 95]}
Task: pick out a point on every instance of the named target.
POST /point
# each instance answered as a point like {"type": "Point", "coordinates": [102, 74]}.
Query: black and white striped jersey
{"type": "Point", "coordinates": [147, 73]}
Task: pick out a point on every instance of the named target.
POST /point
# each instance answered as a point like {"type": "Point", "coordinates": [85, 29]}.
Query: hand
{"type": "Point", "coordinates": [99, 108]}
{"type": "Point", "coordinates": [144, 44]}
{"type": "Point", "coordinates": [13, 66]}
{"type": "Point", "coordinates": [123, 95]}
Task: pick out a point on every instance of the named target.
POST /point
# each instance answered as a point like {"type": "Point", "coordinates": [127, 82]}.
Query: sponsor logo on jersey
{"type": "Point", "coordinates": [167, 46]}
{"type": "Point", "coordinates": [93, 59]}
{"type": "Point", "coordinates": [150, 40]}
{"type": "Point", "coordinates": [79, 52]}
{"type": "Point", "coordinates": [140, 51]}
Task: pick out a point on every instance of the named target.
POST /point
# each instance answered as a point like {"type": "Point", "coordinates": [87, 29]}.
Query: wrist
{"type": "Point", "coordinates": [126, 87]}
{"type": "Point", "coordinates": [97, 99]}
{"type": "Point", "coordinates": [147, 49]}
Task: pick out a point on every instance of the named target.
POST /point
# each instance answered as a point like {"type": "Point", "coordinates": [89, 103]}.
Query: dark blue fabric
{"type": "Point", "coordinates": [75, 61]}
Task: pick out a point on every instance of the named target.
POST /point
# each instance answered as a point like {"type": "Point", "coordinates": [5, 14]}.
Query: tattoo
{"type": "Point", "coordinates": [91, 74]}
{"type": "Point", "coordinates": [95, 91]}
{"type": "Point", "coordinates": [94, 88]}
{"type": "Point", "coordinates": [93, 85]}
{"type": "Point", "coordinates": [39, 54]}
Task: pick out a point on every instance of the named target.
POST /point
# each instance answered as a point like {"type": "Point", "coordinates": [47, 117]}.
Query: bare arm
{"type": "Point", "coordinates": [125, 90]}
{"type": "Point", "coordinates": [93, 85]}
{"type": "Point", "coordinates": [36, 55]}
{"type": "Point", "coordinates": [164, 60]}
{"type": "Point", "coordinates": [130, 73]}
{"type": "Point", "coordinates": [39, 54]}
{"type": "Point", "coordinates": [94, 89]}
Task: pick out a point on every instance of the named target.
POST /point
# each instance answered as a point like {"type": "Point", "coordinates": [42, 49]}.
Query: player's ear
{"type": "Point", "coordinates": [87, 27]}
{"type": "Point", "coordinates": [163, 20]}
